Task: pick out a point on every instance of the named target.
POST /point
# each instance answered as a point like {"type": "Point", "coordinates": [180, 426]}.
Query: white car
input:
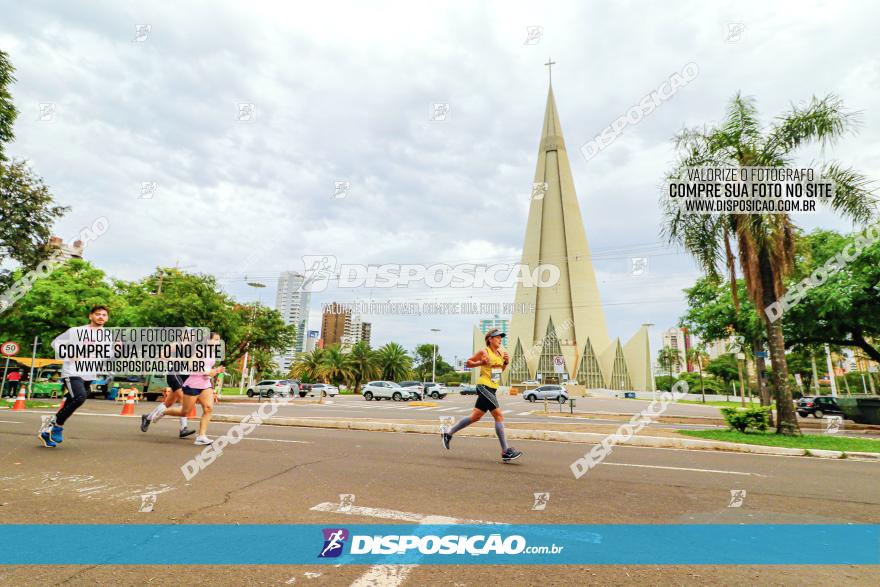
{"type": "Point", "coordinates": [386, 390]}
{"type": "Point", "coordinates": [270, 387]}
{"type": "Point", "coordinates": [551, 392]}
{"type": "Point", "coordinates": [531, 382]}
{"type": "Point", "coordinates": [324, 390]}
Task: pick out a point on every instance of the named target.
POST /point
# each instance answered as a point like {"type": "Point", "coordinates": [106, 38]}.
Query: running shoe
{"type": "Point", "coordinates": [184, 432]}
{"type": "Point", "coordinates": [511, 454]}
{"type": "Point", "coordinates": [47, 440]}
{"type": "Point", "coordinates": [447, 438]}
{"type": "Point", "coordinates": [145, 423]}
{"type": "Point", "coordinates": [56, 434]}
{"type": "Point", "coordinates": [203, 440]}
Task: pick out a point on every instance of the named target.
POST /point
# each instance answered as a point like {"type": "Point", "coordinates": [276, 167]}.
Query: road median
{"type": "Point", "coordinates": [521, 433]}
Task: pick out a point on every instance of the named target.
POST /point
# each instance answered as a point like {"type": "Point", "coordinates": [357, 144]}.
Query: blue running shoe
{"type": "Point", "coordinates": [56, 434]}
{"type": "Point", "coordinates": [47, 440]}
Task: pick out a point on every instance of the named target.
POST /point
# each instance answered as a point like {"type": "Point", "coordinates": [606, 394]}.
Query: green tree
{"type": "Point", "coordinates": [424, 353]}
{"type": "Point", "coordinates": [724, 367]}
{"type": "Point", "coordinates": [363, 363]}
{"type": "Point", "coordinates": [669, 358]}
{"type": "Point", "coordinates": [307, 366]}
{"type": "Point", "coordinates": [713, 315]}
{"type": "Point", "coordinates": [845, 309]}
{"type": "Point", "coordinates": [8, 112]}
{"type": "Point", "coordinates": [698, 356]}
{"type": "Point", "coordinates": [335, 366]}
{"type": "Point", "coordinates": [764, 243]}
{"type": "Point", "coordinates": [393, 362]}
{"type": "Point", "coordinates": [27, 213]}
{"type": "Point", "coordinates": [57, 302]}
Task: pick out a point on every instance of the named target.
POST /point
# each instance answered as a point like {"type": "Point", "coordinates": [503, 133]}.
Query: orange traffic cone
{"type": "Point", "coordinates": [192, 412]}
{"type": "Point", "coordinates": [19, 401]}
{"type": "Point", "coordinates": [128, 408]}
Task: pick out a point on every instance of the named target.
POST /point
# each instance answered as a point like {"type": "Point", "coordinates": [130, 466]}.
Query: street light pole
{"type": "Point", "coordinates": [244, 368]}
{"type": "Point", "coordinates": [434, 358]}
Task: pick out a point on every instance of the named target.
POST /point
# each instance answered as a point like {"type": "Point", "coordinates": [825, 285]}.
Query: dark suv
{"type": "Point", "coordinates": [819, 406]}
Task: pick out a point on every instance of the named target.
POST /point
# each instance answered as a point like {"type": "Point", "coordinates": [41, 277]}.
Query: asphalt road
{"type": "Point", "coordinates": [296, 475]}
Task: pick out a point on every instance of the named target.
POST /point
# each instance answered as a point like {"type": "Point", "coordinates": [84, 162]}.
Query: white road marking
{"type": "Point", "coordinates": [389, 575]}
{"type": "Point", "coordinates": [10, 422]}
{"type": "Point", "coordinates": [524, 414]}
{"type": "Point", "coordinates": [386, 514]}
{"type": "Point", "coordinates": [446, 409]}
{"type": "Point", "coordinates": [685, 469]}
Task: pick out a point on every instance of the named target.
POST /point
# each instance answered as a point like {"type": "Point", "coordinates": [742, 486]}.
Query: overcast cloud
{"type": "Point", "coordinates": [343, 92]}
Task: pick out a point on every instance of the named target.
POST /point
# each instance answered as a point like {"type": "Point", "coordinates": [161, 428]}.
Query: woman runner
{"type": "Point", "coordinates": [492, 361]}
{"type": "Point", "coordinates": [197, 387]}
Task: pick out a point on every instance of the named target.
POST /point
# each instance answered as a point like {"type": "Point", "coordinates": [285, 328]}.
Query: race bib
{"type": "Point", "coordinates": [496, 375]}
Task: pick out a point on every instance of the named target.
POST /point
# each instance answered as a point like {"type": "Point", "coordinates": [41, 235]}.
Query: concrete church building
{"type": "Point", "coordinates": [568, 321]}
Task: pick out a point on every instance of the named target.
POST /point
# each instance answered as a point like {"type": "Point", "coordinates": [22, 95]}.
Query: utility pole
{"type": "Point", "coordinates": [434, 359]}
{"type": "Point", "coordinates": [815, 372]}
{"type": "Point", "coordinates": [33, 360]}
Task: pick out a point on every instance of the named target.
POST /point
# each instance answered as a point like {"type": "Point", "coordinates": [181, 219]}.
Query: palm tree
{"type": "Point", "coordinates": [669, 358]}
{"type": "Point", "coordinates": [308, 366]}
{"type": "Point", "coordinates": [393, 361]}
{"type": "Point", "coordinates": [764, 243]}
{"type": "Point", "coordinates": [364, 364]}
{"type": "Point", "coordinates": [698, 355]}
{"type": "Point", "coordinates": [335, 366]}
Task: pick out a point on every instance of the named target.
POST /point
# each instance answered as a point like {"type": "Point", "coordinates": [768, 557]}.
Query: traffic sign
{"type": "Point", "coordinates": [9, 348]}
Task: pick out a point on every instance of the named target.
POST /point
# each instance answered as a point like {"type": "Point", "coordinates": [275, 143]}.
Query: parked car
{"type": "Point", "coordinates": [468, 390]}
{"type": "Point", "coordinates": [323, 389]}
{"type": "Point", "coordinates": [551, 392]}
{"type": "Point", "coordinates": [387, 390]}
{"type": "Point", "coordinates": [414, 386]}
{"type": "Point", "coordinates": [434, 390]}
{"type": "Point", "coordinates": [819, 406]}
{"type": "Point", "coordinates": [269, 388]}
{"type": "Point", "coordinates": [531, 382]}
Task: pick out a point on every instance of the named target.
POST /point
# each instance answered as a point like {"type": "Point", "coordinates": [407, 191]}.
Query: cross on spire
{"type": "Point", "coordinates": [550, 63]}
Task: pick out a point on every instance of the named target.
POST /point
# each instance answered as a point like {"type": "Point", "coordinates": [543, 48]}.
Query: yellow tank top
{"type": "Point", "coordinates": [490, 375]}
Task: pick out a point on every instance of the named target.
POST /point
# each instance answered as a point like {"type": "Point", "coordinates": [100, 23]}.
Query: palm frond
{"type": "Point", "coordinates": [822, 120]}
{"type": "Point", "coordinates": [853, 193]}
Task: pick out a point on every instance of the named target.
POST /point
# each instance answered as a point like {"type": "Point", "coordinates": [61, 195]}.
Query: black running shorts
{"type": "Point", "coordinates": [486, 400]}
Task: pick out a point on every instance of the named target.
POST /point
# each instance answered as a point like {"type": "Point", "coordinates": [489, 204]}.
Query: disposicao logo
{"type": "Point", "coordinates": [334, 541]}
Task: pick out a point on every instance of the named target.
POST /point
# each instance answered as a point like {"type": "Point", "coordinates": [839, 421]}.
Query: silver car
{"type": "Point", "coordinates": [270, 387]}
{"type": "Point", "coordinates": [550, 392]}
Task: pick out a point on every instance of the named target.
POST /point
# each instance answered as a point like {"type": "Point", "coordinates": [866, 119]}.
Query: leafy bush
{"type": "Point", "coordinates": [756, 418]}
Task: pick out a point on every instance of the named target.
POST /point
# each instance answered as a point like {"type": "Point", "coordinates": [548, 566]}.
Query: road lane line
{"type": "Point", "coordinates": [446, 409]}
{"type": "Point", "coordinates": [386, 514]}
{"type": "Point", "coordinates": [685, 469]}
{"type": "Point", "coordinates": [10, 422]}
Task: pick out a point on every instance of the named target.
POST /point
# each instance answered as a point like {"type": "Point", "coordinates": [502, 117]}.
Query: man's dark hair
{"type": "Point", "coordinates": [96, 308]}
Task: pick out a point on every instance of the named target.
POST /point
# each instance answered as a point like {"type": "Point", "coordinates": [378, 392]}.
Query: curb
{"type": "Point", "coordinates": [558, 436]}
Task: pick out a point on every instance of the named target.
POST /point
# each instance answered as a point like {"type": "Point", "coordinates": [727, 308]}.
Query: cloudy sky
{"type": "Point", "coordinates": [343, 92]}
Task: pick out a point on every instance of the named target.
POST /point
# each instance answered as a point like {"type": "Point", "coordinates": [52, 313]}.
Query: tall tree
{"type": "Point", "coordinates": [669, 358]}
{"type": "Point", "coordinates": [335, 366]}
{"type": "Point", "coordinates": [307, 366]}
{"type": "Point", "coordinates": [8, 112]}
{"type": "Point", "coordinates": [698, 356]}
{"type": "Point", "coordinates": [363, 363]}
{"type": "Point", "coordinates": [57, 302]}
{"type": "Point", "coordinates": [393, 361]}
{"type": "Point", "coordinates": [764, 243]}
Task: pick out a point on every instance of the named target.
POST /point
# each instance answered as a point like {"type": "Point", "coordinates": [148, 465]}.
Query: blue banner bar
{"type": "Point", "coordinates": [358, 544]}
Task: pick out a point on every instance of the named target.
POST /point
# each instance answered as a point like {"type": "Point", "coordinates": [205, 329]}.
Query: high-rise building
{"type": "Point", "coordinates": [312, 340]}
{"type": "Point", "coordinates": [57, 247]}
{"type": "Point", "coordinates": [335, 324]}
{"type": "Point", "coordinates": [679, 339]}
{"type": "Point", "coordinates": [566, 338]}
{"type": "Point", "coordinates": [496, 322]}
{"type": "Point", "coordinates": [292, 302]}
{"type": "Point", "coordinates": [366, 331]}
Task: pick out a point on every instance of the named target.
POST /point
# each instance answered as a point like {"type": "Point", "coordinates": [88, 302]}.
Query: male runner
{"type": "Point", "coordinates": [492, 361]}
{"type": "Point", "coordinates": [75, 382]}
{"type": "Point", "coordinates": [175, 384]}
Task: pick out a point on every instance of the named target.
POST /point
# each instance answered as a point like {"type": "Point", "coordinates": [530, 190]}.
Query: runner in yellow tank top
{"type": "Point", "coordinates": [492, 361]}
